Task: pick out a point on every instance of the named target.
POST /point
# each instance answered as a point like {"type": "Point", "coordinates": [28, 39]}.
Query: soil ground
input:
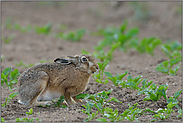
{"type": "Point", "coordinates": [160, 19]}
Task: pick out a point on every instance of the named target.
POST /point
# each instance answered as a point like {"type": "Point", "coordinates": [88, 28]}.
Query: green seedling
{"type": "Point", "coordinates": [44, 29]}
{"type": "Point", "coordinates": [180, 113]}
{"type": "Point", "coordinates": [166, 66]}
{"type": "Point", "coordinates": [27, 119]}
{"type": "Point", "coordinates": [99, 76]}
{"type": "Point", "coordinates": [7, 100]}
{"type": "Point", "coordinates": [88, 108]}
{"type": "Point", "coordinates": [43, 61]}
{"type": "Point", "coordinates": [23, 29]}
{"type": "Point", "coordinates": [2, 119]}
{"type": "Point", "coordinates": [99, 53]}
{"type": "Point", "coordinates": [148, 45]}
{"type": "Point", "coordinates": [131, 83]}
{"type": "Point", "coordinates": [120, 36]}
{"type": "Point", "coordinates": [85, 52]}
{"type": "Point", "coordinates": [72, 36]}
{"type": "Point", "coordinates": [116, 79]}
{"type": "Point", "coordinates": [172, 49]}
{"type": "Point", "coordinates": [130, 114]}
{"type": "Point", "coordinates": [59, 102]}
{"type": "Point", "coordinates": [154, 92]}
{"type": "Point", "coordinates": [30, 112]}
{"type": "Point", "coordinates": [8, 73]}
{"type": "Point", "coordinates": [113, 116]}
{"type": "Point", "coordinates": [8, 23]}
{"type": "Point", "coordinates": [163, 114]}
{"type": "Point", "coordinates": [8, 39]}
{"type": "Point", "coordinates": [21, 64]}
{"type": "Point", "coordinates": [174, 98]}
{"type": "Point", "coordinates": [127, 38]}
{"type": "Point", "coordinates": [99, 99]}
{"type": "Point", "coordinates": [102, 55]}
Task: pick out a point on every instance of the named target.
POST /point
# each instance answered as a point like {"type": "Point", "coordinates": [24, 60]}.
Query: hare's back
{"type": "Point", "coordinates": [30, 76]}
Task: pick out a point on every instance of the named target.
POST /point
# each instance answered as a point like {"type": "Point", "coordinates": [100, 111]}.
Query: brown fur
{"type": "Point", "coordinates": [43, 82]}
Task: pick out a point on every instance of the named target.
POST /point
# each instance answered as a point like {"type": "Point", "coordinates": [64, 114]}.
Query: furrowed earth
{"type": "Point", "coordinates": [163, 22]}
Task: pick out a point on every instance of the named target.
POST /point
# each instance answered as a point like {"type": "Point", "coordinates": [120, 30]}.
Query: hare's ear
{"type": "Point", "coordinates": [62, 61]}
{"type": "Point", "coordinates": [65, 60]}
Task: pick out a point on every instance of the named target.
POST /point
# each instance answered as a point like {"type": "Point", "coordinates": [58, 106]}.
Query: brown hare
{"type": "Point", "coordinates": [67, 76]}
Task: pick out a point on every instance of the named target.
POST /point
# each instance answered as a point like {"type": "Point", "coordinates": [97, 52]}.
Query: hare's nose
{"type": "Point", "coordinates": [96, 67]}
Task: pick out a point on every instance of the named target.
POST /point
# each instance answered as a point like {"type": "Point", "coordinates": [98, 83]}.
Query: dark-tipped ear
{"type": "Point", "coordinates": [62, 61]}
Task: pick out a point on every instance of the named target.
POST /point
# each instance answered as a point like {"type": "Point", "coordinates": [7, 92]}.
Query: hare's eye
{"type": "Point", "coordinates": [84, 59]}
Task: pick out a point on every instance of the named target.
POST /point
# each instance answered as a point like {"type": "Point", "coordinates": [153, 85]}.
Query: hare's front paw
{"type": "Point", "coordinates": [77, 100]}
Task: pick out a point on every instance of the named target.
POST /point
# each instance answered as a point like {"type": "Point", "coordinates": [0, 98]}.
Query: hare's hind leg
{"type": "Point", "coordinates": [42, 84]}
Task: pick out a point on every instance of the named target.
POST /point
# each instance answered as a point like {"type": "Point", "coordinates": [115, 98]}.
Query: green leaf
{"type": "Point", "coordinates": [177, 94]}
{"type": "Point", "coordinates": [166, 64]}
{"type": "Point", "coordinates": [171, 105]}
{"type": "Point", "coordinates": [91, 97]}
{"type": "Point", "coordinates": [12, 95]}
{"type": "Point", "coordinates": [98, 106]}
{"type": "Point", "coordinates": [109, 91]}
{"type": "Point", "coordinates": [89, 105]}
{"type": "Point", "coordinates": [177, 67]}
{"type": "Point", "coordinates": [14, 74]}
{"type": "Point", "coordinates": [172, 72]}
{"type": "Point", "coordinates": [81, 96]}
{"type": "Point", "coordinates": [122, 75]}
{"type": "Point", "coordinates": [144, 83]}
{"type": "Point", "coordinates": [101, 120]}
{"type": "Point", "coordinates": [147, 98]}
{"type": "Point", "coordinates": [108, 74]}
{"type": "Point", "coordinates": [7, 71]}
{"type": "Point", "coordinates": [2, 119]}
{"type": "Point", "coordinates": [163, 67]}
{"type": "Point", "coordinates": [113, 99]}
{"type": "Point", "coordinates": [129, 78]}
{"type": "Point", "coordinates": [131, 85]}
{"type": "Point", "coordinates": [174, 61]}
{"type": "Point", "coordinates": [153, 97]}
{"type": "Point", "coordinates": [171, 99]}
{"type": "Point", "coordinates": [123, 26]}
{"type": "Point", "coordinates": [30, 111]}
{"type": "Point", "coordinates": [149, 83]}
{"type": "Point", "coordinates": [104, 94]}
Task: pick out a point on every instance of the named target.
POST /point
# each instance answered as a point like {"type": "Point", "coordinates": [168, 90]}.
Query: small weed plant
{"type": "Point", "coordinates": [27, 119]}
{"type": "Point", "coordinates": [21, 64]}
{"type": "Point", "coordinates": [46, 29]}
{"type": "Point", "coordinates": [59, 102]}
{"type": "Point", "coordinates": [72, 36]}
{"type": "Point", "coordinates": [9, 77]}
{"type": "Point", "coordinates": [7, 100]}
{"type": "Point", "coordinates": [170, 66]}
{"type": "Point", "coordinates": [8, 39]}
{"type": "Point", "coordinates": [22, 29]}
{"type": "Point", "coordinates": [99, 76]}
